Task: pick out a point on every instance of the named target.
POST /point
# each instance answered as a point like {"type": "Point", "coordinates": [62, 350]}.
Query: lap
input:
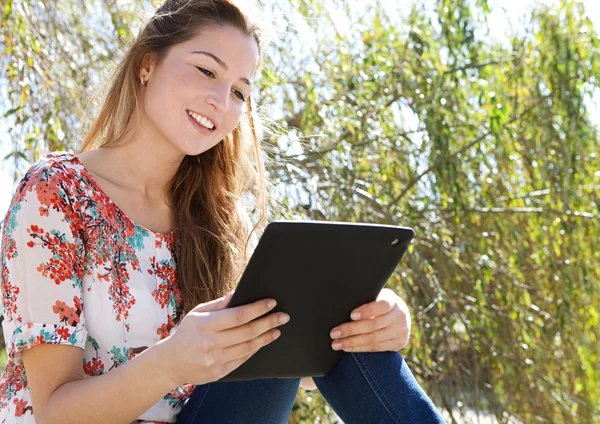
{"type": "Point", "coordinates": [254, 401]}
{"type": "Point", "coordinates": [362, 388]}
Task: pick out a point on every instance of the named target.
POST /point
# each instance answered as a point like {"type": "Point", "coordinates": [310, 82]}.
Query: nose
{"type": "Point", "coordinates": [219, 97]}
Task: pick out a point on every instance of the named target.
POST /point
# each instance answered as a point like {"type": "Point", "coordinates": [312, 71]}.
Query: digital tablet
{"type": "Point", "coordinates": [318, 272]}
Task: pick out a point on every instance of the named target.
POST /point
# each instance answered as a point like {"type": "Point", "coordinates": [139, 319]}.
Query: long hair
{"type": "Point", "coordinates": [212, 228]}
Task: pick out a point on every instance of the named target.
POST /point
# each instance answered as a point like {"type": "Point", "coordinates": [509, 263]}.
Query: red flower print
{"type": "Point", "coordinates": [60, 308]}
{"type": "Point", "coordinates": [163, 331]}
{"type": "Point", "coordinates": [39, 340]}
{"type": "Point", "coordinates": [63, 333]}
{"type": "Point", "coordinates": [182, 392]}
{"type": "Point", "coordinates": [94, 367]}
{"type": "Point", "coordinates": [72, 317]}
{"type": "Point", "coordinates": [77, 302]}
{"type": "Point", "coordinates": [66, 313]}
{"type": "Point", "coordinates": [20, 409]}
{"type": "Point", "coordinates": [118, 277]}
{"type": "Point", "coordinates": [171, 323]}
{"type": "Point", "coordinates": [30, 244]}
{"type": "Point", "coordinates": [47, 192]}
{"type": "Point", "coordinates": [168, 290]}
{"type": "Point", "coordinates": [10, 294]}
{"type": "Point", "coordinates": [10, 248]}
{"type": "Point", "coordinates": [44, 211]}
{"type": "Point", "coordinates": [129, 229]}
{"type": "Point", "coordinates": [65, 261]}
{"type": "Point", "coordinates": [13, 380]}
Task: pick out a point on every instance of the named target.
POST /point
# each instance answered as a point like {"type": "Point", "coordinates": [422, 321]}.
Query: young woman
{"type": "Point", "coordinates": [118, 262]}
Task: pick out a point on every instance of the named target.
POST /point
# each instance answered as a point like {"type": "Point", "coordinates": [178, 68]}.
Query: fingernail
{"type": "Point", "coordinates": [284, 318]}
{"type": "Point", "coordinates": [276, 334]}
{"type": "Point", "coordinates": [355, 315]}
{"type": "Point", "coordinates": [335, 333]}
{"type": "Point", "coordinates": [271, 304]}
{"type": "Point", "coordinates": [337, 345]}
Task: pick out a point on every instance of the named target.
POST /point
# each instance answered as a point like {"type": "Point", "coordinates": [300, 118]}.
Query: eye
{"type": "Point", "coordinates": [208, 73]}
{"type": "Point", "coordinates": [204, 71]}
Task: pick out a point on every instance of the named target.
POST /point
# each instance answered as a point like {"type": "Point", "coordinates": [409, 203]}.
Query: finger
{"type": "Point", "coordinates": [395, 343]}
{"type": "Point", "coordinates": [240, 315]}
{"type": "Point", "coordinates": [232, 365]}
{"type": "Point", "coordinates": [253, 329]}
{"type": "Point", "coordinates": [385, 346]}
{"type": "Point", "coordinates": [228, 297]}
{"type": "Point", "coordinates": [382, 305]}
{"type": "Point", "coordinates": [214, 305]}
{"type": "Point", "coordinates": [363, 326]}
{"type": "Point", "coordinates": [387, 333]}
{"type": "Point", "coordinates": [245, 348]}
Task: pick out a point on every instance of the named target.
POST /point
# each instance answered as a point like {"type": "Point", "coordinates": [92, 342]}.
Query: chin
{"type": "Point", "coordinates": [194, 148]}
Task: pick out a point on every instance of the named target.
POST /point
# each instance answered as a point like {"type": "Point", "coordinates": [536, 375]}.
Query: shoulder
{"type": "Point", "coordinates": [56, 173]}
{"type": "Point", "coordinates": [54, 165]}
{"type": "Point", "coordinates": [48, 189]}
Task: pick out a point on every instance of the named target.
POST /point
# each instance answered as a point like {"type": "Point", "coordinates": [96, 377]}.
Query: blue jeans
{"type": "Point", "coordinates": [368, 387]}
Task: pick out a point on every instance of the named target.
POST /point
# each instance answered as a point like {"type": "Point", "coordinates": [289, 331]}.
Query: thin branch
{"type": "Point", "coordinates": [439, 162]}
{"type": "Point", "coordinates": [527, 210]}
{"type": "Point", "coordinates": [475, 66]}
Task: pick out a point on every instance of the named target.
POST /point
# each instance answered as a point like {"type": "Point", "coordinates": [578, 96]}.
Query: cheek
{"type": "Point", "coordinates": [233, 119]}
{"type": "Point", "coordinates": [166, 100]}
{"type": "Point", "coordinates": [236, 114]}
{"type": "Point", "coordinates": [188, 80]}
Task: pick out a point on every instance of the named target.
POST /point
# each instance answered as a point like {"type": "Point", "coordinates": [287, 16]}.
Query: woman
{"type": "Point", "coordinates": [124, 256]}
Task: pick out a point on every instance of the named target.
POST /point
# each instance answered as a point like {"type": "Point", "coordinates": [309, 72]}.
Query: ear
{"type": "Point", "coordinates": [147, 65]}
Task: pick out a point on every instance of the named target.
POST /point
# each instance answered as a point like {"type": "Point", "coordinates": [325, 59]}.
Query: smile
{"type": "Point", "coordinates": [202, 120]}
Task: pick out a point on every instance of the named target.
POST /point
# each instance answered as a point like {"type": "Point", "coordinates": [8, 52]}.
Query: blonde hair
{"type": "Point", "coordinates": [207, 190]}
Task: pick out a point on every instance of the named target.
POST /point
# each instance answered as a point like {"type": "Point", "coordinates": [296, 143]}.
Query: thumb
{"type": "Point", "coordinates": [214, 305]}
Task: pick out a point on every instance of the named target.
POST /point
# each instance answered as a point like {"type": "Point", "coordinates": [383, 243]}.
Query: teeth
{"type": "Point", "coordinates": [201, 120]}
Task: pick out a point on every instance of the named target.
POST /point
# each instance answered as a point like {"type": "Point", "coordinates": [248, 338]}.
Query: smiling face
{"type": "Point", "coordinates": [206, 76]}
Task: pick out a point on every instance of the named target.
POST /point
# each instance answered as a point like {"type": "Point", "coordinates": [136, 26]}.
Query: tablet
{"type": "Point", "coordinates": [318, 272]}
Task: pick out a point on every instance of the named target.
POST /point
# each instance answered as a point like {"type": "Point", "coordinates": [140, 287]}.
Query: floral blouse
{"type": "Point", "coordinates": [77, 271]}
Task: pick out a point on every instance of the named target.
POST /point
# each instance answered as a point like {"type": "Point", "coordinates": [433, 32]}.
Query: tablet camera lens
{"type": "Point", "coordinates": [395, 242]}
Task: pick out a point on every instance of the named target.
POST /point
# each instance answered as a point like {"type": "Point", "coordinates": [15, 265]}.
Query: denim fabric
{"type": "Point", "coordinates": [363, 388]}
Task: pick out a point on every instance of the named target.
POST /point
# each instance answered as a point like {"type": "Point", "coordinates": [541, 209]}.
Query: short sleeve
{"type": "Point", "coordinates": [42, 263]}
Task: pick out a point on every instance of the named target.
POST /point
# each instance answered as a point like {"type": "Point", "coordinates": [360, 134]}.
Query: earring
{"type": "Point", "coordinates": [142, 79]}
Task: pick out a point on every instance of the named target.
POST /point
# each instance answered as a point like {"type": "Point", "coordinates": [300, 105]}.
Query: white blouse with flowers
{"type": "Point", "coordinates": [75, 270]}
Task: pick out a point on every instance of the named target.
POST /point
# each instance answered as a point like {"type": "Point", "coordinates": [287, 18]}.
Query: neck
{"type": "Point", "coordinates": [146, 163]}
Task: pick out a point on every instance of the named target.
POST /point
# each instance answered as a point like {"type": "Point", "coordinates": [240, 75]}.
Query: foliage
{"type": "Point", "coordinates": [486, 149]}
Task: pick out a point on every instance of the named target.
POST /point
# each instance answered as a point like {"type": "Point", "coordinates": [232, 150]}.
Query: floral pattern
{"type": "Point", "coordinates": [77, 271]}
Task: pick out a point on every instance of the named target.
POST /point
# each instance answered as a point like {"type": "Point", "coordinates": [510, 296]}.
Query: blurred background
{"type": "Point", "coordinates": [473, 121]}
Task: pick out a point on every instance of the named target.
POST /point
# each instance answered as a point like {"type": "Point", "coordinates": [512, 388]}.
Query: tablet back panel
{"type": "Point", "coordinates": [318, 272]}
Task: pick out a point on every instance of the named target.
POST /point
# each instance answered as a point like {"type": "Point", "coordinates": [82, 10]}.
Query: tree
{"type": "Point", "coordinates": [486, 149]}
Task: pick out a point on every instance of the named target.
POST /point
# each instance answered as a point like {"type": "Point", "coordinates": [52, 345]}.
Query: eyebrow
{"type": "Point", "coordinates": [221, 63]}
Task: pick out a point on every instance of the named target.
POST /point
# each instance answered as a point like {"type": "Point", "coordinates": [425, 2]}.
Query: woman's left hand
{"type": "Point", "coordinates": [383, 325]}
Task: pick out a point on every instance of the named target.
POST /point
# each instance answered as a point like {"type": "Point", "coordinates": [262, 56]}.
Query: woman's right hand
{"type": "Point", "coordinates": [213, 340]}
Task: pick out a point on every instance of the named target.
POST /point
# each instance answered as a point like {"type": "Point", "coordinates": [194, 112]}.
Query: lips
{"type": "Point", "coordinates": [199, 127]}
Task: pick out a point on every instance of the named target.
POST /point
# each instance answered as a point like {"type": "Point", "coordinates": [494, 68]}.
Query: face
{"type": "Point", "coordinates": [207, 77]}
